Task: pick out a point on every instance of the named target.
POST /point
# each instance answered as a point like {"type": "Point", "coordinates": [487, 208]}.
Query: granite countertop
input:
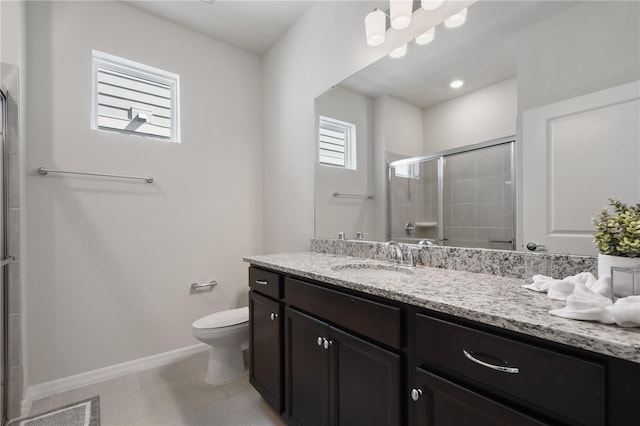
{"type": "Point", "coordinates": [488, 299]}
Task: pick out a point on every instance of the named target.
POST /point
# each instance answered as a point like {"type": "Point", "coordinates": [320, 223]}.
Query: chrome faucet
{"type": "Point", "coordinates": [395, 252]}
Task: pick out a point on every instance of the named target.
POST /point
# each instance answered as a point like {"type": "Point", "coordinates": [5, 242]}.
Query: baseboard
{"type": "Point", "coordinates": [65, 384]}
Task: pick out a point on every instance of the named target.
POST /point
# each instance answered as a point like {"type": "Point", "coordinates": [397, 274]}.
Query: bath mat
{"type": "Point", "coordinates": [81, 413]}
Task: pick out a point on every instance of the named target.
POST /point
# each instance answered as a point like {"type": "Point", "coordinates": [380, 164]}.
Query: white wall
{"type": "Point", "coordinates": [110, 261]}
{"type": "Point", "coordinates": [339, 214]}
{"type": "Point", "coordinates": [302, 65]}
{"type": "Point", "coordinates": [482, 115]}
{"type": "Point", "coordinates": [403, 125]}
{"type": "Point", "coordinates": [586, 48]}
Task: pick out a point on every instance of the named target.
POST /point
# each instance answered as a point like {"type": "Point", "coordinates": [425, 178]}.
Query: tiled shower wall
{"type": "Point", "coordinates": [413, 194]}
{"type": "Point", "coordinates": [478, 201]}
{"type": "Point", "coordinates": [14, 374]}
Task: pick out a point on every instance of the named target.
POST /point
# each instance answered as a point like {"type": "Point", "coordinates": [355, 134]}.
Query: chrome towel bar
{"type": "Point", "coordinates": [195, 285]}
{"type": "Point", "coordinates": [45, 171]}
{"type": "Point", "coordinates": [339, 194]}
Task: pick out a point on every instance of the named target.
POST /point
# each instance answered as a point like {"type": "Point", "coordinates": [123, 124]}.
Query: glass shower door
{"type": "Point", "coordinates": [415, 192]}
{"type": "Point", "coordinates": [479, 198]}
{"type": "Point", "coordinates": [3, 265]}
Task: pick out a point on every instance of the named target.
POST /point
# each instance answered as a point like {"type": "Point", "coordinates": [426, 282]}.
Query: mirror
{"type": "Point", "coordinates": [514, 57]}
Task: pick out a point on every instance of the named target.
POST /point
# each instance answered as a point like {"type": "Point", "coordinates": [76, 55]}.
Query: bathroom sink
{"type": "Point", "coordinates": [373, 270]}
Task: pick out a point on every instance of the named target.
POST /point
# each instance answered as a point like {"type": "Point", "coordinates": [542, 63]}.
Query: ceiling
{"type": "Point", "coordinates": [250, 25]}
{"type": "Point", "coordinates": [481, 52]}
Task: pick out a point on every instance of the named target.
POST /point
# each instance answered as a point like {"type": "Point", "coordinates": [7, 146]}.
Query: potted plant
{"type": "Point", "coordinates": [618, 236]}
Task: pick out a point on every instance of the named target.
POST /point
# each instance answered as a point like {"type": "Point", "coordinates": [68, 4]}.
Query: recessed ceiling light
{"type": "Point", "coordinates": [456, 84]}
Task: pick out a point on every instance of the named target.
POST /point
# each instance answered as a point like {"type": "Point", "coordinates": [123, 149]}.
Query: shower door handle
{"type": "Point", "coordinates": [8, 260]}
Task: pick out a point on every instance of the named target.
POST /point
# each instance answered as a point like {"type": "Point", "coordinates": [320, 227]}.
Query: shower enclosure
{"type": "Point", "coordinates": [3, 263]}
{"type": "Point", "coordinates": [463, 197]}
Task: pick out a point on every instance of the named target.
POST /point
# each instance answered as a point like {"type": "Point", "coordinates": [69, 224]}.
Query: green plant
{"type": "Point", "coordinates": [618, 232]}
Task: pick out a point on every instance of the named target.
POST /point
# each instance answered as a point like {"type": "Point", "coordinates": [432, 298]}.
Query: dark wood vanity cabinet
{"type": "Point", "coordinates": [335, 378]}
{"type": "Point", "coordinates": [265, 368]}
{"type": "Point", "coordinates": [443, 403]}
{"type": "Point", "coordinates": [265, 336]}
{"type": "Point", "coordinates": [326, 356]}
{"type": "Point", "coordinates": [462, 371]}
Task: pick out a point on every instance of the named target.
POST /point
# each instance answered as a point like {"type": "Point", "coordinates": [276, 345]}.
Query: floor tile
{"type": "Point", "coordinates": [172, 395]}
{"type": "Point", "coordinates": [127, 410]}
{"type": "Point", "coordinates": [257, 411]}
{"type": "Point", "coordinates": [219, 413]}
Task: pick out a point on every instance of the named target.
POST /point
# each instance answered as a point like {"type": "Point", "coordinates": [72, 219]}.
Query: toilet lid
{"type": "Point", "coordinates": [223, 318]}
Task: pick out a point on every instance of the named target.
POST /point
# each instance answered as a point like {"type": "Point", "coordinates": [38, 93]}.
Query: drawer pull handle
{"type": "Point", "coordinates": [262, 282]}
{"type": "Point", "coordinates": [511, 370]}
{"type": "Point", "coordinates": [273, 316]}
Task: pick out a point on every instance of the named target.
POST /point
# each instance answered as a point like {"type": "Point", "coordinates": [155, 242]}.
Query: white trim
{"type": "Point", "coordinates": [43, 390]}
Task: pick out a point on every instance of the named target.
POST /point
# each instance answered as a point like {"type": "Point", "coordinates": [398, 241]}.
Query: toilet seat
{"type": "Point", "coordinates": [223, 319]}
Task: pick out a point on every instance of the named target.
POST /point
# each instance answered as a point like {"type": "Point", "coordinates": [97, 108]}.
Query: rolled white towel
{"type": "Point", "coordinates": [561, 289]}
{"type": "Point", "coordinates": [626, 311]}
{"type": "Point", "coordinates": [602, 287]}
{"type": "Point", "coordinates": [540, 283]}
{"type": "Point", "coordinates": [585, 305]}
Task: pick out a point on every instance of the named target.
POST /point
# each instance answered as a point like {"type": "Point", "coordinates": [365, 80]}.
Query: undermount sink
{"type": "Point", "coordinates": [373, 270]}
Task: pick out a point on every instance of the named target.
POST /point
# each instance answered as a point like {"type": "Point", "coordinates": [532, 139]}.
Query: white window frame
{"type": "Point", "coordinates": [349, 131]}
{"type": "Point", "coordinates": [101, 60]}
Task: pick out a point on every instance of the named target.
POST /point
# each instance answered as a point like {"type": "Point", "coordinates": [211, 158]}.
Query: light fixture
{"type": "Point", "coordinates": [456, 84]}
{"type": "Point", "coordinates": [375, 25]}
{"type": "Point", "coordinates": [457, 19]}
{"type": "Point", "coordinates": [399, 52]}
{"type": "Point", "coordinates": [431, 4]}
{"type": "Point", "coordinates": [426, 37]}
{"type": "Point", "coordinates": [401, 11]}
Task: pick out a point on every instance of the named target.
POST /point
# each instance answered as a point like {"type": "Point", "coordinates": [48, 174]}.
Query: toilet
{"type": "Point", "coordinates": [228, 334]}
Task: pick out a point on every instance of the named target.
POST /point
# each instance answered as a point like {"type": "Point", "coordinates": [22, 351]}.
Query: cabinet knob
{"type": "Point", "coordinates": [416, 393]}
{"type": "Point", "coordinates": [273, 316]}
{"type": "Point", "coordinates": [319, 340]}
{"type": "Point", "coordinates": [326, 343]}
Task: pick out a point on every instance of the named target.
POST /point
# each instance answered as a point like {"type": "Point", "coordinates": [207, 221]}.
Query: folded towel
{"type": "Point", "coordinates": [626, 311]}
{"type": "Point", "coordinates": [561, 289]}
{"type": "Point", "coordinates": [584, 304]}
{"type": "Point", "coordinates": [540, 283]}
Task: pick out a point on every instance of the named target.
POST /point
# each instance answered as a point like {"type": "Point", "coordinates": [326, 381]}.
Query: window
{"type": "Point", "coordinates": [337, 143]}
{"type": "Point", "coordinates": [134, 98]}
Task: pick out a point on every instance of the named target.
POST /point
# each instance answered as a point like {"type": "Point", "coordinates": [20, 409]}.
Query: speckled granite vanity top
{"type": "Point", "coordinates": [488, 299]}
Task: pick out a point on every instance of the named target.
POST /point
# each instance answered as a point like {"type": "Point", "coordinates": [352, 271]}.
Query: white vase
{"type": "Point", "coordinates": [605, 262]}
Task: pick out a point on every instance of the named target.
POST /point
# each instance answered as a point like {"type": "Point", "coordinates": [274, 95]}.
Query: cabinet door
{"type": "Point", "coordinates": [442, 403]}
{"type": "Point", "coordinates": [265, 368]}
{"type": "Point", "coordinates": [365, 385]}
{"type": "Point", "coordinates": [307, 370]}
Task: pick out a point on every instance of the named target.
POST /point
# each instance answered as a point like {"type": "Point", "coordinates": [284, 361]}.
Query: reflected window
{"type": "Point", "coordinates": [337, 141]}
{"type": "Point", "coordinates": [411, 171]}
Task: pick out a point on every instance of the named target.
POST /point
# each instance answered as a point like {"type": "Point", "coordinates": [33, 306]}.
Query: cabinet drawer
{"type": "Point", "coordinates": [375, 320]}
{"type": "Point", "coordinates": [265, 282]}
{"type": "Point", "coordinates": [568, 388]}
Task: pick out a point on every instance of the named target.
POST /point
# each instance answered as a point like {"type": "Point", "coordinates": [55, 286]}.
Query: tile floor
{"type": "Point", "coordinates": [174, 395]}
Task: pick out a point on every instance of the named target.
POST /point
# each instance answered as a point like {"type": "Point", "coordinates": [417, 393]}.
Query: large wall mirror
{"type": "Point", "coordinates": [559, 78]}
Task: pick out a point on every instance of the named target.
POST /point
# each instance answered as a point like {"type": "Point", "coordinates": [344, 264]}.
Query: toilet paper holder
{"type": "Point", "coordinates": [195, 285]}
